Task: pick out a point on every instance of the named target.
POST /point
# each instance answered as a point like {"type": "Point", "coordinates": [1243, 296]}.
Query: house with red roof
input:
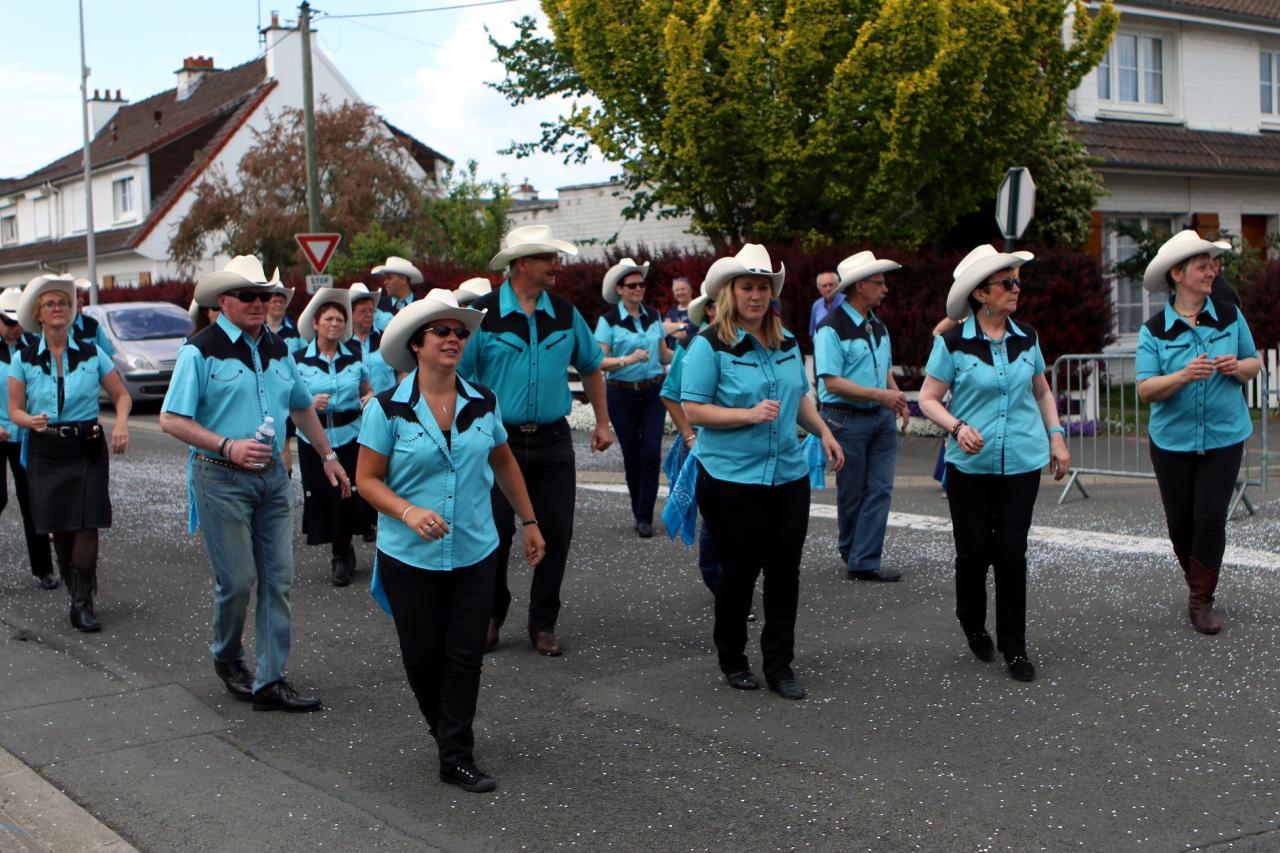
{"type": "Point", "coordinates": [148, 156]}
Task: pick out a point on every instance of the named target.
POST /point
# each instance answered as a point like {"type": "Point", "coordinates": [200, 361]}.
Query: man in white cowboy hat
{"type": "Point", "coordinates": [11, 339]}
{"type": "Point", "coordinates": [363, 302]}
{"type": "Point", "coordinates": [397, 276]}
{"type": "Point", "coordinates": [859, 399]}
{"type": "Point", "coordinates": [230, 377]}
{"type": "Point", "coordinates": [523, 350]}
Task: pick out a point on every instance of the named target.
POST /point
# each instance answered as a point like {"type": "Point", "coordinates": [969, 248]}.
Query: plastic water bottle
{"type": "Point", "coordinates": [266, 432]}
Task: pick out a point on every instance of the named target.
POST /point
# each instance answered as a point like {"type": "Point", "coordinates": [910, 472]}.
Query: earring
{"type": "Point", "coordinates": [986, 309]}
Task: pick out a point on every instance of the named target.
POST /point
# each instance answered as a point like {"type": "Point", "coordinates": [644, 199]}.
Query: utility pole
{"type": "Point", "coordinates": [309, 119]}
{"type": "Point", "coordinates": [92, 247]}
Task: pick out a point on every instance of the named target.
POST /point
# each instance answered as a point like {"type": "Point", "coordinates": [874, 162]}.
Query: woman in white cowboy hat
{"type": "Point", "coordinates": [1004, 428]}
{"type": "Point", "coordinates": [699, 310]}
{"type": "Point", "coordinates": [278, 320]}
{"type": "Point", "coordinates": [11, 440]}
{"type": "Point", "coordinates": [363, 332]}
{"type": "Point", "coordinates": [430, 452]}
{"type": "Point", "coordinates": [53, 394]}
{"type": "Point", "coordinates": [336, 376]}
{"type": "Point", "coordinates": [1193, 356]}
{"type": "Point", "coordinates": [744, 384]}
{"type": "Point", "coordinates": [632, 337]}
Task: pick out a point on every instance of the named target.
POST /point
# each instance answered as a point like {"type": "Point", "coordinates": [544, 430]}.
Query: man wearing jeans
{"type": "Point", "coordinates": [230, 377]}
{"type": "Point", "coordinates": [858, 398]}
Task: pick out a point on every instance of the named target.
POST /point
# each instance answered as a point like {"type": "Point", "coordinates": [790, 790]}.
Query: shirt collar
{"type": "Point", "coordinates": [1171, 316]}
{"type": "Point", "coordinates": [231, 330]}
{"type": "Point", "coordinates": [313, 349]}
{"type": "Point", "coordinates": [71, 343]}
{"type": "Point", "coordinates": [853, 312]}
{"type": "Point", "coordinates": [970, 328]}
{"type": "Point", "coordinates": [507, 301]}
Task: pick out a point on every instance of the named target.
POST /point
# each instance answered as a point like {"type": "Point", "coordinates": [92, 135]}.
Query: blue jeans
{"type": "Point", "coordinates": [247, 523]}
{"type": "Point", "coordinates": [864, 486]}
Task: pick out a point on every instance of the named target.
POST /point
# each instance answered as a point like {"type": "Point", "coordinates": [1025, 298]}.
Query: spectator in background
{"type": "Point", "coordinates": [472, 289]}
{"type": "Point", "coordinates": [397, 277]}
{"type": "Point", "coordinates": [676, 320]}
{"type": "Point", "coordinates": [830, 300]}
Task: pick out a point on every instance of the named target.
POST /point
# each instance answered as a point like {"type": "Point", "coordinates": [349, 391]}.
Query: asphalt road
{"type": "Point", "coordinates": [1138, 735]}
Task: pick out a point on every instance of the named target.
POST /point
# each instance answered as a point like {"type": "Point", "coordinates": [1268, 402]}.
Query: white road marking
{"type": "Point", "coordinates": [1116, 543]}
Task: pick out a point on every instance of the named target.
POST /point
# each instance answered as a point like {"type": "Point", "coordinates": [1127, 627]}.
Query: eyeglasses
{"type": "Point", "coordinates": [631, 285]}
{"type": "Point", "coordinates": [446, 331]}
{"type": "Point", "coordinates": [55, 303]}
{"type": "Point", "coordinates": [1007, 283]}
{"type": "Point", "coordinates": [248, 296]}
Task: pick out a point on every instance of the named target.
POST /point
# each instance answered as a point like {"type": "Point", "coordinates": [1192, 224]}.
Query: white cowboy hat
{"type": "Point", "coordinates": [83, 284]}
{"type": "Point", "coordinates": [855, 268]}
{"type": "Point", "coordinates": [529, 240]}
{"type": "Point", "coordinates": [698, 309]}
{"type": "Point", "coordinates": [617, 273]}
{"type": "Point", "coordinates": [359, 290]}
{"type": "Point", "coordinates": [325, 296]}
{"type": "Point", "coordinates": [9, 299]}
{"type": "Point", "coordinates": [973, 270]}
{"type": "Point", "coordinates": [399, 266]}
{"type": "Point", "coordinates": [1178, 248]}
{"type": "Point", "coordinates": [27, 304]}
{"type": "Point", "coordinates": [472, 289]}
{"type": "Point", "coordinates": [193, 310]}
{"type": "Point", "coordinates": [439, 304]}
{"type": "Point", "coordinates": [752, 259]}
{"type": "Point", "coordinates": [241, 273]}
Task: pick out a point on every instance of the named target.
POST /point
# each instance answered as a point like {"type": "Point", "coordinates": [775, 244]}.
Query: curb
{"type": "Point", "coordinates": [35, 816]}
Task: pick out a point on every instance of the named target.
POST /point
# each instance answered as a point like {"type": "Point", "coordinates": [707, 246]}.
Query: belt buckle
{"type": "Point", "coordinates": [528, 429]}
{"type": "Point", "coordinates": [67, 431]}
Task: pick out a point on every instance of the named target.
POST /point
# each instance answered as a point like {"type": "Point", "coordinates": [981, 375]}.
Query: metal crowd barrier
{"type": "Point", "coordinates": [1106, 423]}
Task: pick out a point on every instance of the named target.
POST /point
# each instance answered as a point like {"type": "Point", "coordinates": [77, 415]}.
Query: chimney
{"type": "Point", "coordinates": [191, 73]}
{"type": "Point", "coordinates": [525, 192]}
{"type": "Point", "coordinates": [102, 107]}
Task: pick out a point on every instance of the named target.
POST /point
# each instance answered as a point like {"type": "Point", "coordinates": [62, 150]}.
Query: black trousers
{"type": "Point", "coordinates": [759, 529]}
{"type": "Point", "coordinates": [37, 543]}
{"type": "Point", "coordinates": [990, 517]}
{"type": "Point", "coordinates": [441, 619]}
{"type": "Point", "coordinates": [1195, 489]}
{"type": "Point", "coordinates": [546, 460]}
{"type": "Point", "coordinates": [638, 418]}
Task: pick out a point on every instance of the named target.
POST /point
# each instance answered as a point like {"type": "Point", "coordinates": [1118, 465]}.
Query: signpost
{"type": "Point", "coordinates": [1015, 204]}
{"type": "Point", "coordinates": [318, 249]}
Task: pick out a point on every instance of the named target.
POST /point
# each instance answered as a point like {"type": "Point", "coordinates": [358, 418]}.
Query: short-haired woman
{"type": "Point", "coordinates": [1193, 356]}
{"type": "Point", "coordinates": [1004, 428]}
{"type": "Point", "coordinates": [744, 385]}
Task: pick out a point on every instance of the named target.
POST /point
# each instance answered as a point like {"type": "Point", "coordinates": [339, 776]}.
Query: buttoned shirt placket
{"type": "Point", "coordinates": [258, 375]}
{"type": "Point", "coordinates": [1000, 364]}
{"type": "Point", "coordinates": [771, 393]}
{"type": "Point", "coordinates": [532, 414]}
{"type": "Point", "coordinates": [448, 509]}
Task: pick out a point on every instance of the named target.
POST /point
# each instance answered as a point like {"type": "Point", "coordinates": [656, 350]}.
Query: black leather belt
{"type": "Point", "coordinates": [636, 386]}
{"type": "Point", "coordinates": [533, 428]}
{"type": "Point", "coordinates": [226, 463]}
{"type": "Point", "coordinates": [848, 408]}
{"type": "Point", "coordinates": [338, 419]}
{"type": "Point", "coordinates": [83, 430]}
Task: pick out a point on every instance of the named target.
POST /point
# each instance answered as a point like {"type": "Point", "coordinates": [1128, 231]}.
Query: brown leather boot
{"type": "Point", "coordinates": [1203, 581]}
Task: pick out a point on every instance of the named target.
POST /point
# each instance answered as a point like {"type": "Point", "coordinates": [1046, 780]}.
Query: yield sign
{"type": "Point", "coordinates": [318, 248]}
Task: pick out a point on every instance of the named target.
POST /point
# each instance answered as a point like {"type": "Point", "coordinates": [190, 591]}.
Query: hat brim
{"type": "Point", "coordinates": [213, 285]}
{"type": "Point", "coordinates": [358, 295]}
{"type": "Point", "coordinates": [975, 275]}
{"type": "Point", "coordinates": [866, 271]}
{"type": "Point", "coordinates": [698, 310]}
{"type": "Point", "coordinates": [411, 273]}
{"type": "Point", "coordinates": [503, 259]}
{"type": "Point", "coordinates": [609, 290]}
{"type": "Point", "coordinates": [721, 274]}
{"type": "Point", "coordinates": [325, 296]}
{"type": "Point", "coordinates": [395, 338]}
{"type": "Point", "coordinates": [1153, 278]}
{"type": "Point", "coordinates": [28, 307]}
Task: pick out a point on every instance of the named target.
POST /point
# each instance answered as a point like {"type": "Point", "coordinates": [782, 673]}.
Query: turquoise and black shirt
{"type": "Point", "coordinates": [340, 378]}
{"type": "Point", "coordinates": [850, 346]}
{"type": "Point", "coordinates": [381, 374]}
{"type": "Point", "coordinates": [624, 334]}
{"type": "Point", "coordinates": [1201, 415]}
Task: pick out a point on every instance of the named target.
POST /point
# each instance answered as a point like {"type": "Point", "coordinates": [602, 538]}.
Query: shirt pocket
{"type": "Point", "coordinates": [227, 372]}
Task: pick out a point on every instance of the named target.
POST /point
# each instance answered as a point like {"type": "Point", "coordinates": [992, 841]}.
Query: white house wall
{"type": "Point", "coordinates": [1229, 198]}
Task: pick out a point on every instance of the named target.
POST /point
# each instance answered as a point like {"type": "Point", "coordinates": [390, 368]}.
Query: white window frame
{"type": "Point", "coordinates": [1108, 75]}
{"type": "Point", "coordinates": [124, 204]}
{"type": "Point", "coordinates": [9, 227]}
{"type": "Point", "coordinates": [1269, 88]}
{"type": "Point", "coordinates": [1111, 249]}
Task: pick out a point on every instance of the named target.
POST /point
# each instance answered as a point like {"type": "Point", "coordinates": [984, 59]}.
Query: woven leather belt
{"type": "Point", "coordinates": [225, 463]}
{"type": "Point", "coordinates": [636, 386]}
{"type": "Point", "coordinates": [847, 408]}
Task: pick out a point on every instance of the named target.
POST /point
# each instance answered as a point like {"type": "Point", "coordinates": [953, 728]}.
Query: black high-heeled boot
{"type": "Point", "coordinates": [81, 585]}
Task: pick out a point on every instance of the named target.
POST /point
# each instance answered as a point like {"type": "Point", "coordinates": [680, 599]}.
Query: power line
{"type": "Point", "coordinates": [418, 11]}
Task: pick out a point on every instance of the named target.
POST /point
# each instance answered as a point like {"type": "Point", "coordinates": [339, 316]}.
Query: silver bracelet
{"type": "Point", "coordinates": [405, 513]}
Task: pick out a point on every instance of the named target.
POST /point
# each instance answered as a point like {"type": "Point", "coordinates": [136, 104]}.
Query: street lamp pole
{"type": "Point", "coordinates": [91, 247]}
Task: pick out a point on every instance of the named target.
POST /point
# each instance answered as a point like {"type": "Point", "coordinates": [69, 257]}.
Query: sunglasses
{"type": "Point", "coordinates": [1006, 283]}
{"type": "Point", "coordinates": [631, 285]}
{"type": "Point", "coordinates": [446, 331]}
{"type": "Point", "coordinates": [248, 296]}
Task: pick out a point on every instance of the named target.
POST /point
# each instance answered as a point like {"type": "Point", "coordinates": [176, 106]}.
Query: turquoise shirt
{"type": "Point", "coordinates": [381, 375]}
{"type": "Point", "coordinates": [850, 346]}
{"type": "Point", "coordinates": [340, 378]}
{"type": "Point", "coordinates": [88, 329]}
{"type": "Point", "coordinates": [452, 477]}
{"type": "Point", "coordinates": [289, 334]}
{"type": "Point", "coordinates": [7, 355]}
{"type": "Point", "coordinates": [991, 391]}
{"type": "Point", "coordinates": [1200, 415]}
{"type": "Point", "coordinates": [387, 308]}
{"type": "Point", "coordinates": [525, 359]}
{"type": "Point", "coordinates": [740, 376]}
{"type": "Point", "coordinates": [624, 334]}
{"type": "Point", "coordinates": [66, 399]}
{"type": "Point", "coordinates": [675, 373]}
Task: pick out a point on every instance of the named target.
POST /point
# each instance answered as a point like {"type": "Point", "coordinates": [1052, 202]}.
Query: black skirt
{"type": "Point", "coordinates": [326, 515]}
{"type": "Point", "coordinates": [68, 479]}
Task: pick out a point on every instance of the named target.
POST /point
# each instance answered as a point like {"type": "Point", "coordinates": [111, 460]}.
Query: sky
{"type": "Point", "coordinates": [425, 73]}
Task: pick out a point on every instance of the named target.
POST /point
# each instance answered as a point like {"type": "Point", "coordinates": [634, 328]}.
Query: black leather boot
{"type": "Point", "coordinates": [80, 586]}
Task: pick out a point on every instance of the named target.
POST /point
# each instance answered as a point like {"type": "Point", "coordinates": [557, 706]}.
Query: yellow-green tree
{"type": "Point", "coordinates": [814, 119]}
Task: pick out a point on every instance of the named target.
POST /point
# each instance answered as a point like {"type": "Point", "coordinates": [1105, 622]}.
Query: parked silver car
{"type": "Point", "coordinates": [146, 336]}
